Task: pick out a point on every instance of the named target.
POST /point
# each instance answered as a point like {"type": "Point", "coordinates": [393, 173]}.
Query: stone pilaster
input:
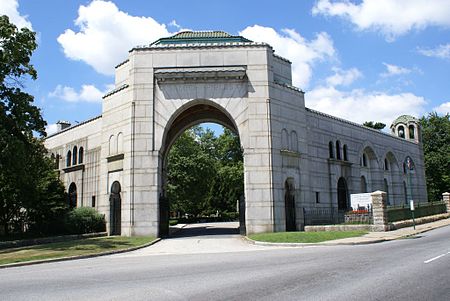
{"type": "Point", "coordinates": [380, 218]}
{"type": "Point", "coordinates": [446, 198]}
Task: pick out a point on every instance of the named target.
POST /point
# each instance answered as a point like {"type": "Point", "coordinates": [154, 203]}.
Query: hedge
{"type": "Point", "coordinates": [403, 213]}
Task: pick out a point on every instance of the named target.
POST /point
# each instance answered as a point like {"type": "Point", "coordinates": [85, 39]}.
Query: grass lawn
{"type": "Point", "coordinates": [305, 237]}
{"type": "Point", "coordinates": [72, 248]}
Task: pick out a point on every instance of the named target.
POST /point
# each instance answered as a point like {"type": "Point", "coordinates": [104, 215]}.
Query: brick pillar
{"type": "Point", "coordinates": [379, 209]}
{"type": "Point", "coordinates": [446, 198]}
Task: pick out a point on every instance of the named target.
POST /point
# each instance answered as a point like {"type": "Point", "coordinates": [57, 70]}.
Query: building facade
{"type": "Point", "coordinates": [294, 157]}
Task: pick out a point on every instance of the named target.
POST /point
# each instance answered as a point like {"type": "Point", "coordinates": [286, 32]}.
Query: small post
{"type": "Point", "coordinates": [411, 204]}
{"type": "Point", "coordinates": [446, 199]}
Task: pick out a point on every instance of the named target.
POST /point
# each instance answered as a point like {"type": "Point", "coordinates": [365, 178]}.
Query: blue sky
{"type": "Point", "coordinates": [360, 60]}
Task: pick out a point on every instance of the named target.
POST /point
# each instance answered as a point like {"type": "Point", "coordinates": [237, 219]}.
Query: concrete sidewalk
{"type": "Point", "coordinates": [369, 238]}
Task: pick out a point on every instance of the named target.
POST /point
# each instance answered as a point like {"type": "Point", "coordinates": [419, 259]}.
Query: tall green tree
{"type": "Point", "coordinates": [28, 184]}
{"type": "Point", "coordinates": [436, 148]}
{"type": "Point", "coordinates": [205, 172]}
{"type": "Point", "coordinates": [190, 169]}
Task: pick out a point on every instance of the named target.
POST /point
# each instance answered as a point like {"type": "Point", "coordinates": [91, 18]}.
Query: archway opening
{"type": "Point", "coordinates": [202, 175]}
{"type": "Point", "coordinates": [115, 209]}
{"type": "Point", "coordinates": [342, 194]}
{"type": "Point", "coordinates": [289, 200]}
{"type": "Point", "coordinates": [72, 195]}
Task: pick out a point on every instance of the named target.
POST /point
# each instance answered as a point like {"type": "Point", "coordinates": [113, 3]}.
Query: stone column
{"type": "Point", "coordinates": [379, 209]}
{"type": "Point", "coordinates": [446, 198]}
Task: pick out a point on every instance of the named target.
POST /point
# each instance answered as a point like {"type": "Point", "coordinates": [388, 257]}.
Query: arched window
{"type": "Point", "coordinates": [74, 155]}
{"type": "Point", "coordinates": [294, 141]}
{"type": "Point", "coordinates": [68, 158]}
{"type": "Point", "coordinates": [363, 184]}
{"type": "Point", "coordinates": [364, 160]}
{"type": "Point", "coordinates": [72, 195]}
{"type": "Point", "coordinates": [57, 158]}
{"type": "Point", "coordinates": [338, 150]}
{"type": "Point", "coordinates": [386, 164]}
{"type": "Point", "coordinates": [345, 152]}
{"type": "Point", "coordinates": [330, 148]}
{"type": "Point", "coordinates": [284, 139]}
{"type": "Point", "coordinates": [80, 155]}
{"type": "Point", "coordinates": [411, 132]}
{"type": "Point", "coordinates": [120, 143]}
{"type": "Point", "coordinates": [401, 131]}
{"type": "Point", "coordinates": [112, 147]}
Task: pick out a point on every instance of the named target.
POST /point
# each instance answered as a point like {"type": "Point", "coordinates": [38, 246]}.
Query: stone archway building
{"type": "Point", "coordinates": [192, 77]}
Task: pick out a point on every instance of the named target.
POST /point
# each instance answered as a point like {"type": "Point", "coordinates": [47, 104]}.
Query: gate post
{"type": "Point", "coordinates": [379, 208]}
{"type": "Point", "coordinates": [446, 198]}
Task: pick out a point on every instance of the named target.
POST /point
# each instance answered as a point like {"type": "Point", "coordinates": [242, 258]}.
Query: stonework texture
{"type": "Point", "coordinates": [161, 90]}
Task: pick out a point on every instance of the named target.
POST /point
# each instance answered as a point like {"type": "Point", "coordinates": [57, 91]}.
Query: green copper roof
{"type": "Point", "coordinates": [405, 119]}
{"type": "Point", "coordinates": [200, 37]}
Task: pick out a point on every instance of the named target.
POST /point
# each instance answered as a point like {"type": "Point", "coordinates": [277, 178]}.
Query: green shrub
{"type": "Point", "coordinates": [85, 220]}
{"type": "Point", "coordinates": [403, 213]}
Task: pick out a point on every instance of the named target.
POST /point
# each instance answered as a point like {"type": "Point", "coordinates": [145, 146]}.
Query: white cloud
{"type": "Point", "coordinates": [343, 77]}
{"type": "Point", "coordinates": [443, 108]}
{"type": "Point", "coordinates": [361, 105]}
{"type": "Point", "coordinates": [106, 34]}
{"type": "Point", "coordinates": [293, 46]}
{"type": "Point", "coordinates": [392, 70]}
{"type": "Point", "coordinates": [10, 8]}
{"type": "Point", "coordinates": [391, 17]}
{"type": "Point", "coordinates": [51, 128]}
{"type": "Point", "coordinates": [442, 51]}
{"type": "Point", "coordinates": [88, 93]}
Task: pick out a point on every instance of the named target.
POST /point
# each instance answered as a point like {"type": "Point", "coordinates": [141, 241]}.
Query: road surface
{"type": "Point", "coordinates": [409, 269]}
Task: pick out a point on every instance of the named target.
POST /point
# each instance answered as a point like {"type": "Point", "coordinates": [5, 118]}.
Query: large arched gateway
{"type": "Point", "coordinates": [193, 77]}
{"type": "Point", "coordinates": [194, 112]}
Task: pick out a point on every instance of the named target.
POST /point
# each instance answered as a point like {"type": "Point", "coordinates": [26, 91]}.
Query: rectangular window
{"type": "Point", "coordinates": [317, 197]}
{"type": "Point", "coordinates": [93, 201]}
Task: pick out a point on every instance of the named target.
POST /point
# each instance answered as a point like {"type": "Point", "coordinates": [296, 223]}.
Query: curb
{"type": "Point", "coordinates": [25, 263]}
{"type": "Point", "coordinates": [317, 244]}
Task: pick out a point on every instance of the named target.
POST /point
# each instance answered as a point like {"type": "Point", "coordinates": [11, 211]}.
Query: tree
{"type": "Point", "coordinates": [205, 172]}
{"type": "Point", "coordinates": [436, 148]}
{"type": "Point", "coordinates": [29, 188]}
{"type": "Point", "coordinates": [190, 170]}
{"type": "Point", "coordinates": [375, 125]}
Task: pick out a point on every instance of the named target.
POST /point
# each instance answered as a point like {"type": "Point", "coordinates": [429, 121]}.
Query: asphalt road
{"type": "Point", "coordinates": [409, 269]}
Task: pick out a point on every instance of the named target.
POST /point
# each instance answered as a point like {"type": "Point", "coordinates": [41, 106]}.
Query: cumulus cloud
{"type": "Point", "coordinates": [10, 8]}
{"type": "Point", "coordinates": [391, 17]}
{"type": "Point", "coordinates": [106, 34]}
{"type": "Point", "coordinates": [359, 105]}
{"type": "Point", "coordinates": [302, 52]}
{"type": "Point", "coordinates": [442, 51]}
{"type": "Point", "coordinates": [393, 70]}
{"type": "Point", "coordinates": [443, 108]}
{"type": "Point", "coordinates": [343, 77]}
{"type": "Point", "coordinates": [87, 93]}
{"type": "Point", "coordinates": [51, 129]}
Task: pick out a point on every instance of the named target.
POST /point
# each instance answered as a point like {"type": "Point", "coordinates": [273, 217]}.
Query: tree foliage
{"type": "Point", "coordinates": [31, 195]}
{"type": "Point", "coordinates": [205, 172]}
{"type": "Point", "coordinates": [436, 148]}
{"type": "Point", "coordinates": [375, 125]}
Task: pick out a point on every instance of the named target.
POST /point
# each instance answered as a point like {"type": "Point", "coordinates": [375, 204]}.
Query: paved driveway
{"type": "Point", "coordinates": [200, 238]}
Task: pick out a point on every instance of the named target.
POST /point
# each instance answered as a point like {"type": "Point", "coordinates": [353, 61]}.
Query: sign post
{"type": "Point", "coordinates": [411, 205]}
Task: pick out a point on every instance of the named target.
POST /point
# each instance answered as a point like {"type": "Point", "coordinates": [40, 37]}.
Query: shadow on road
{"type": "Point", "coordinates": [206, 229]}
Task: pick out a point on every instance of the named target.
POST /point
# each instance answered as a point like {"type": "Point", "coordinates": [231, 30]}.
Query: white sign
{"type": "Point", "coordinates": [411, 205]}
{"type": "Point", "coordinates": [360, 200]}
